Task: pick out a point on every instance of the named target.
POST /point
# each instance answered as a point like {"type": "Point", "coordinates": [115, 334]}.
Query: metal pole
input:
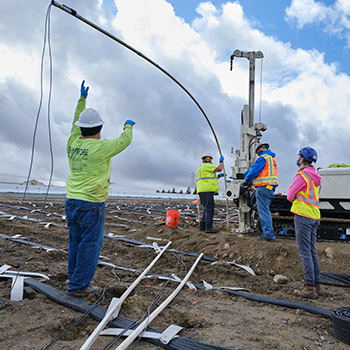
{"type": "Point", "coordinates": [251, 87]}
{"type": "Point", "coordinates": [251, 56]}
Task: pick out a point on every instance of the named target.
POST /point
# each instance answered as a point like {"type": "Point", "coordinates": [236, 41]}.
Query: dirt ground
{"type": "Point", "coordinates": [207, 316]}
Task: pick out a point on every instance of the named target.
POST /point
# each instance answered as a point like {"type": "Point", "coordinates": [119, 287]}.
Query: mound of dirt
{"type": "Point", "coordinates": [207, 316]}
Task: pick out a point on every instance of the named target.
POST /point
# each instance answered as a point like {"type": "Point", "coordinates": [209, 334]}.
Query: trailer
{"type": "Point", "coordinates": [334, 192]}
{"type": "Point", "coordinates": [334, 207]}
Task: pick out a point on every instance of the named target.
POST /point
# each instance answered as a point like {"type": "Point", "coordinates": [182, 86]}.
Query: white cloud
{"type": "Point", "coordinates": [301, 79]}
{"type": "Point", "coordinates": [333, 19]}
{"type": "Point", "coordinates": [305, 100]}
{"type": "Point", "coordinates": [343, 6]}
{"type": "Point", "coordinates": [303, 12]}
{"type": "Point", "coordinates": [17, 63]}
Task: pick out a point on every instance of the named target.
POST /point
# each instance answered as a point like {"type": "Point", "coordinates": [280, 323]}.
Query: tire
{"type": "Point", "coordinates": [341, 324]}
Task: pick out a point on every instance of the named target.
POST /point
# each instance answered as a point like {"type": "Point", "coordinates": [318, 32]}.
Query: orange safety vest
{"type": "Point", "coordinates": [268, 176]}
{"type": "Point", "coordinates": [307, 203]}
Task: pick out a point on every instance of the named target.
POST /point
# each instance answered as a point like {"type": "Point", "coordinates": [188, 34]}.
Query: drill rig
{"type": "Point", "coordinates": [335, 189]}
{"type": "Point", "coordinates": [250, 134]}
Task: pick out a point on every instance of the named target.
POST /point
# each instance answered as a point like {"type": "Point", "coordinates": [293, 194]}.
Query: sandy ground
{"type": "Point", "coordinates": [211, 316]}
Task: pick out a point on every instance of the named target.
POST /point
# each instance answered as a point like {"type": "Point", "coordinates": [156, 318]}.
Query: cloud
{"type": "Point", "coordinates": [333, 19]}
{"type": "Point", "coordinates": [304, 100]}
{"type": "Point", "coordinates": [313, 93]}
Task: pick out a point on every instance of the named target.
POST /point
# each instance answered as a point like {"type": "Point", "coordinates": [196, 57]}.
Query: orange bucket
{"type": "Point", "coordinates": [172, 218]}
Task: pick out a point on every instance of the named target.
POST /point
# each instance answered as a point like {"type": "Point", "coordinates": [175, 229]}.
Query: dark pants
{"type": "Point", "coordinates": [86, 227]}
{"type": "Point", "coordinates": [207, 201]}
{"type": "Point", "coordinates": [306, 234]}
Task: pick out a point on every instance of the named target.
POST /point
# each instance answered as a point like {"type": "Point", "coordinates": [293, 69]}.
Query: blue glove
{"type": "Point", "coordinates": [221, 158]}
{"type": "Point", "coordinates": [129, 122]}
{"type": "Point", "coordinates": [220, 175]}
{"type": "Point", "coordinates": [84, 90]}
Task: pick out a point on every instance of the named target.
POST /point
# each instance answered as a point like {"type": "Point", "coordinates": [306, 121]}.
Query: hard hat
{"type": "Point", "coordinates": [261, 145]}
{"type": "Point", "coordinates": [89, 118]}
{"type": "Point", "coordinates": [309, 154]}
{"type": "Point", "coordinates": [208, 154]}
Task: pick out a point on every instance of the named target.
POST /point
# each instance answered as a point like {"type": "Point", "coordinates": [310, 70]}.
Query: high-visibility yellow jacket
{"type": "Point", "coordinates": [269, 174]}
{"type": "Point", "coordinates": [207, 181]}
{"type": "Point", "coordinates": [90, 161]}
{"type": "Point", "coordinates": [306, 202]}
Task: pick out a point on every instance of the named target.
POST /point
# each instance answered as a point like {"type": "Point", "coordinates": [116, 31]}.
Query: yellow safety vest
{"type": "Point", "coordinates": [269, 175]}
{"type": "Point", "coordinates": [206, 179]}
{"type": "Point", "coordinates": [307, 203]}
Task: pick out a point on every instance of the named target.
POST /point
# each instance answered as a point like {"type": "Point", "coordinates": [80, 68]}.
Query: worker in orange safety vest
{"type": "Point", "coordinates": [264, 176]}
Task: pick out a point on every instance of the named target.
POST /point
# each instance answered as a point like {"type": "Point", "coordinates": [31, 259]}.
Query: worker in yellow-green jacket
{"type": "Point", "coordinates": [207, 185]}
{"type": "Point", "coordinates": [87, 189]}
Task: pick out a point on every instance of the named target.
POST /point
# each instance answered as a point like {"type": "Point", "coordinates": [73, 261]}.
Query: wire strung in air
{"type": "Point", "coordinates": [93, 25]}
{"type": "Point", "coordinates": [75, 14]}
{"type": "Point", "coordinates": [48, 42]}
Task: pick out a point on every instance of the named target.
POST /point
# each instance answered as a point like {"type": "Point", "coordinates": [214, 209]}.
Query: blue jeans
{"type": "Point", "coordinates": [264, 198]}
{"type": "Point", "coordinates": [306, 234]}
{"type": "Point", "coordinates": [86, 227]}
{"type": "Point", "coordinates": [207, 201]}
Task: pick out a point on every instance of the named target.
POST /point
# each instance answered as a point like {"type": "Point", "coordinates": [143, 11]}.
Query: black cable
{"type": "Point", "coordinates": [91, 24]}
{"type": "Point", "coordinates": [96, 303]}
{"type": "Point", "coordinates": [251, 144]}
{"type": "Point", "coordinates": [107, 286]}
{"type": "Point", "coordinates": [159, 295]}
{"type": "Point", "coordinates": [87, 312]}
{"type": "Point", "coordinates": [98, 313]}
{"type": "Point", "coordinates": [76, 15]}
{"type": "Point", "coordinates": [46, 39]}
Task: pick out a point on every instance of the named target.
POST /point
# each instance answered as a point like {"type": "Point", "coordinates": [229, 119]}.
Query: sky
{"type": "Point", "coordinates": [302, 84]}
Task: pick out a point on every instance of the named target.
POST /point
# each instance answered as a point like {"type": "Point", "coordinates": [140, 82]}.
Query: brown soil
{"type": "Point", "coordinates": [212, 317]}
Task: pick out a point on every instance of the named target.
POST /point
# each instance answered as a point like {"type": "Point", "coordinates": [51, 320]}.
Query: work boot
{"type": "Point", "coordinates": [81, 293]}
{"type": "Point", "coordinates": [319, 290]}
{"type": "Point", "coordinates": [264, 238]}
{"type": "Point", "coordinates": [201, 229]}
{"type": "Point", "coordinates": [308, 292]}
{"type": "Point", "coordinates": [212, 230]}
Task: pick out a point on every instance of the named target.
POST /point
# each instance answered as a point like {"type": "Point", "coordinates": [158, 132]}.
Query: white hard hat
{"type": "Point", "coordinates": [89, 118]}
{"type": "Point", "coordinates": [208, 154]}
{"type": "Point", "coordinates": [259, 145]}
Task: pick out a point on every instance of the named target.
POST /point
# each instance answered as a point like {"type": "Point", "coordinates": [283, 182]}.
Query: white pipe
{"type": "Point", "coordinates": [124, 345]}
{"type": "Point", "coordinates": [111, 311]}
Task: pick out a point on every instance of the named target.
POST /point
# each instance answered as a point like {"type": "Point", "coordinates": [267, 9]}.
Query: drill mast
{"type": "Point", "coordinates": [250, 134]}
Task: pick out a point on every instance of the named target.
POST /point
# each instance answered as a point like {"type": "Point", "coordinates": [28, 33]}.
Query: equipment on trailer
{"type": "Point", "coordinates": [334, 193]}
{"type": "Point", "coordinates": [334, 207]}
{"type": "Point", "coordinates": [250, 134]}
